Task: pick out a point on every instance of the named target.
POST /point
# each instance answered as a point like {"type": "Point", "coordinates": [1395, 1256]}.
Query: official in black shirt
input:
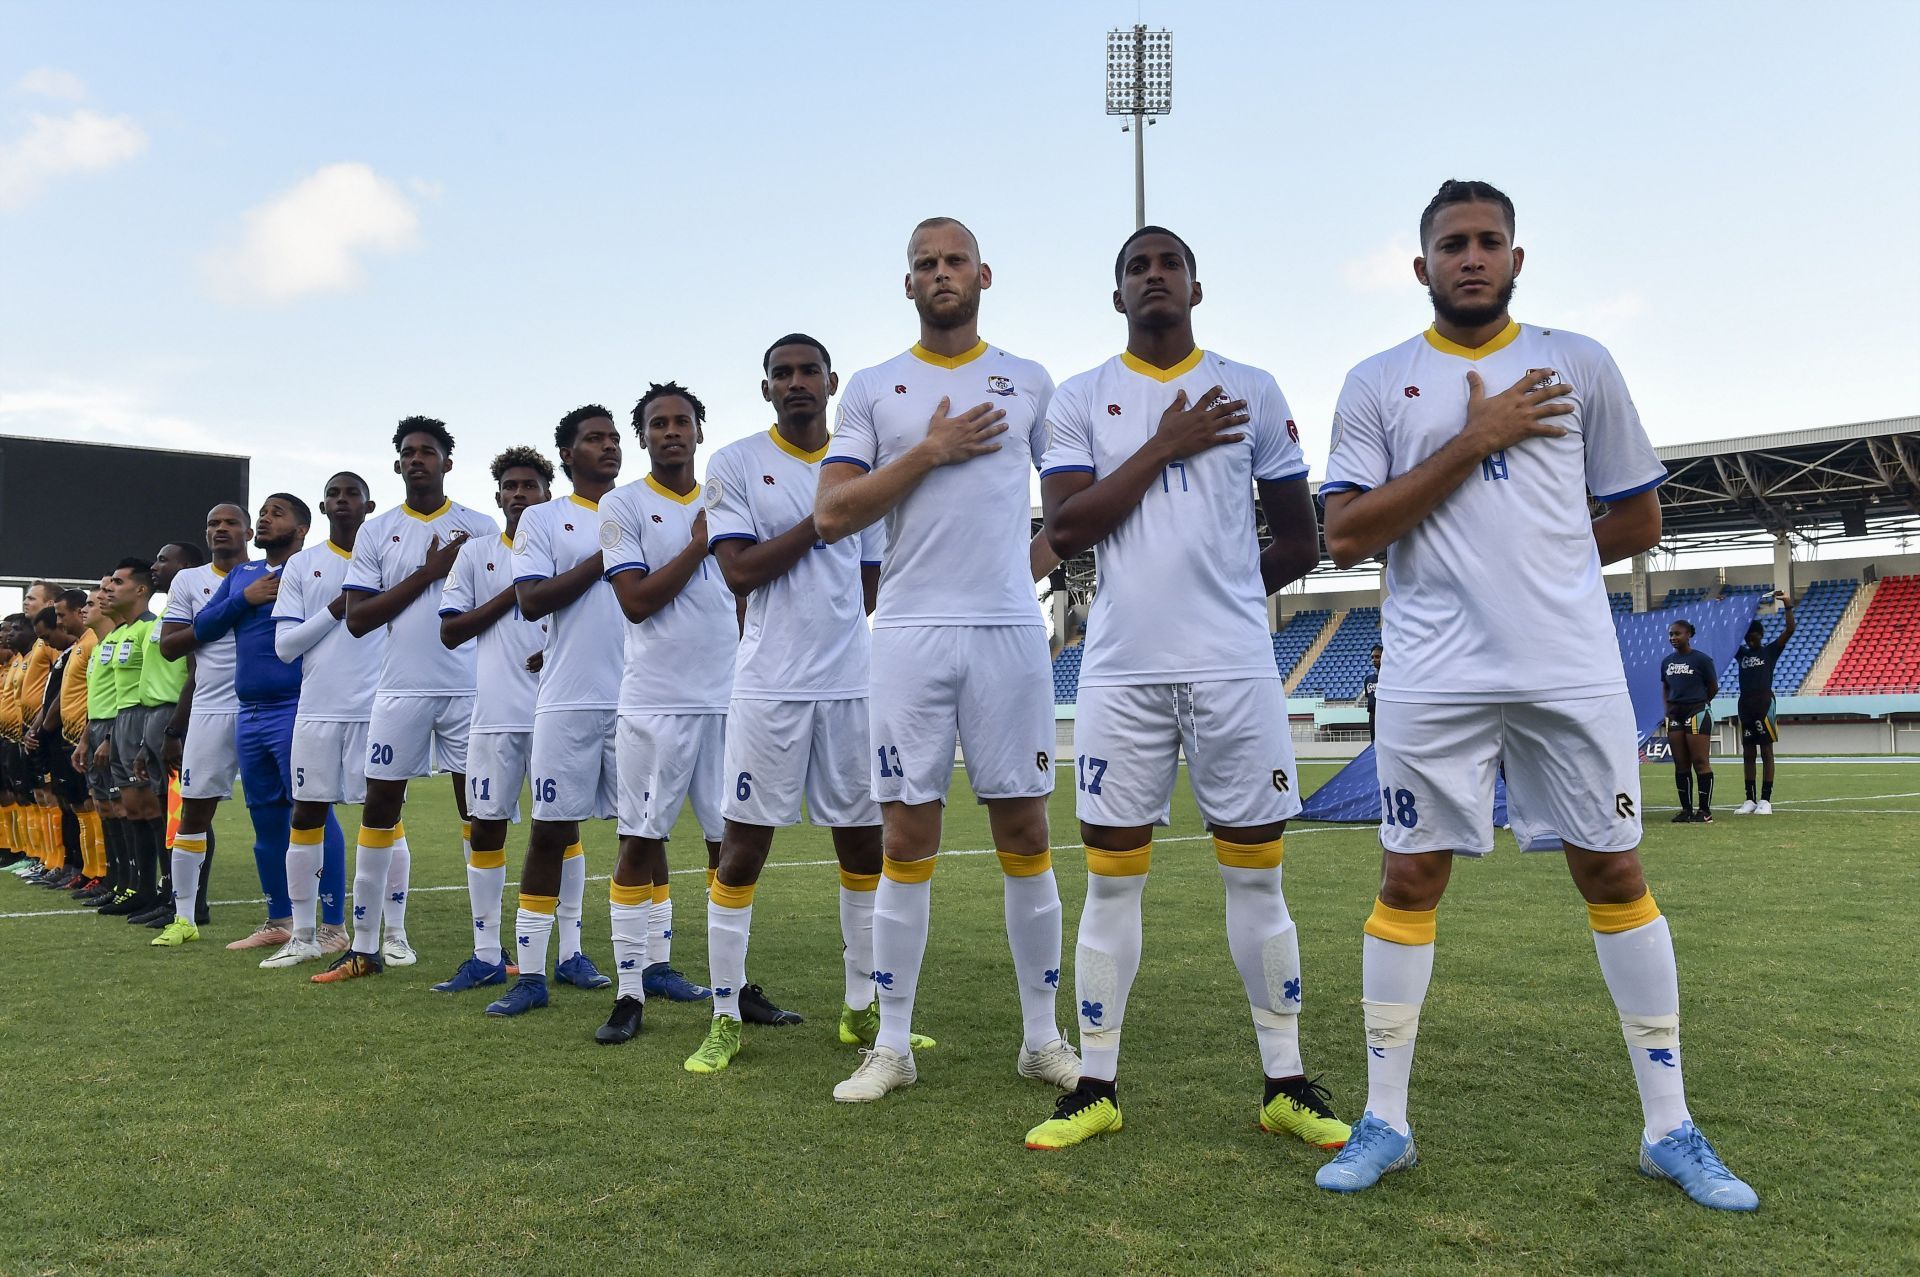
{"type": "Point", "coordinates": [1370, 685]}
{"type": "Point", "coordinates": [1758, 730]}
{"type": "Point", "coordinates": [1688, 684]}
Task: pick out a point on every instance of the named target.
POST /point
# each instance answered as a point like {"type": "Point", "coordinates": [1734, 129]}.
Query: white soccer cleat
{"type": "Point", "coordinates": [1055, 1064]}
{"type": "Point", "coordinates": [397, 952]}
{"type": "Point", "coordinates": [292, 954]}
{"type": "Point", "coordinates": [1747, 808]}
{"type": "Point", "coordinates": [880, 1071]}
{"type": "Point", "coordinates": [1763, 808]}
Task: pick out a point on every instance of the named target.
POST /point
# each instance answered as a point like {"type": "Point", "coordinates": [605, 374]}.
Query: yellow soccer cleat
{"type": "Point", "coordinates": [1304, 1109]}
{"type": "Point", "coordinates": [1078, 1116]}
{"type": "Point", "coordinates": [860, 1028]}
{"type": "Point", "coordinates": [722, 1044]}
{"type": "Point", "coordinates": [177, 933]}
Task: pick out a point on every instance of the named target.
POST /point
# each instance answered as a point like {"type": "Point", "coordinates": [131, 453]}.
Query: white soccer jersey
{"type": "Point", "coordinates": [1179, 598]}
{"type": "Point", "coordinates": [806, 637]}
{"type": "Point", "coordinates": [339, 673]}
{"type": "Point", "coordinates": [680, 659]}
{"type": "Point", "coordinates": [391, 547]}
{"type": "Point", "coordinates": [1496, 594]}
{"type": "Point", "coordinates": [213, 691]}
{"type": "Point", "coordinates": [957, 545]}
{"type": "Point", "coordinates": [582, 669]}
{"type": "Point", "coordinates": [505, 691]}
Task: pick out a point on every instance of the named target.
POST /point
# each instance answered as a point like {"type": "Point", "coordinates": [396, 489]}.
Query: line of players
{"type": "Point", "coordinates": [1481, 492]}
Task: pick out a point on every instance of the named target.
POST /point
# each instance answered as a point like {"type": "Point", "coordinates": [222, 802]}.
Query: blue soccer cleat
{"type": "Point", "coordinates": [1684, 1156]}
{"type": "Point", "coordinates": [1373, 1150]}
{"type": "Point", "coordinates": [474, 974]}
{"type": "Point", "coordinates": [580, 972]}
{"type": "Point", "coordinates": [662, 981]}
{"type": "Point", "coordinates": [529, 993]}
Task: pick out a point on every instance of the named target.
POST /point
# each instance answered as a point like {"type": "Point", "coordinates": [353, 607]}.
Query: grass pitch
{"type": "Point", "coordinates": [184, 1111]}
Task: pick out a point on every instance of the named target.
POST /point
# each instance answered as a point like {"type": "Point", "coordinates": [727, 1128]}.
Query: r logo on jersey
{"type": "Point", "coordinates": [899, 390]}
{"type": "Point", "coordinates": [998, 385]}
{"type": "Point", "coordinates": [567, 526]}
{"type": "Point", "coordinates": [1293, 431]}
{"type": "Point", "coordinates": [1280, 780]}
{"type": "Point", "coordinates": [1041, 760]}
{"type": "Point", "coordinates": [767, 479]}
{"type": "Point", "coordinates": [1113, 410]}
{"type": "Point", "coordinates": [657, 519]}
{"type": "Point", "coordinates": [1411, 392]}
{"type": "Point", "coordinates": [1623, 806]}
{"type": "Point", "coordinates": [316, 572]}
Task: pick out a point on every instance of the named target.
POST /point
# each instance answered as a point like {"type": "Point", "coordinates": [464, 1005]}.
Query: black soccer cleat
{"type": "Point", "coordinates": [622, 1024]}
{"type": "Point", "coordinates": [756, 1009]}
{"type": "Point", "coordinates": [1683, 817]}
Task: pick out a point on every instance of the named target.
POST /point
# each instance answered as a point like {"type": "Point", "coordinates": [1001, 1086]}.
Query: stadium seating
{"type": "Point", "coordinates": [1620, 600]}
{"type": "Point", "coordinates": [1296, 636]}
{"type": "Point", "coordinates": [1681, 596]}
{"type": "Point", "coordinates": [1066, 674]}
{"type": "Point", "coordinates": [1815, 614]}
{"type": "Point", "coordinates": [1884, 654]}
{"type": "Point", "coordinates": [1729, 591]}
{"type": "Point", "coordinates": [1342, 667]}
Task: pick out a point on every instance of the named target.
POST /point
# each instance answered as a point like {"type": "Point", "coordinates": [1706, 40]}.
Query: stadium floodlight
{"type": "Point", "coordinates": [1139, 84]}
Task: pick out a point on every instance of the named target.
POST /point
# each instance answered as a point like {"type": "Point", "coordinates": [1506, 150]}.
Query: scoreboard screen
{"type": "Point", "coordinates": [70, 511]}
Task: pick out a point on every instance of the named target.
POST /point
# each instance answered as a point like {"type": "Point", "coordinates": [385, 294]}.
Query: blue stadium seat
{"type": "Point", "coordinates": [1341, 670]}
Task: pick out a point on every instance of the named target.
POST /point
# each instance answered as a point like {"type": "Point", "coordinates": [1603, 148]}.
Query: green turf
{"type": "Point", "coordinates": [183, 1111]}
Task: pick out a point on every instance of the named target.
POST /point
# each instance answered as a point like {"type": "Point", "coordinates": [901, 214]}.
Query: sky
{"type": "Point", "coordinates": [277, 229]}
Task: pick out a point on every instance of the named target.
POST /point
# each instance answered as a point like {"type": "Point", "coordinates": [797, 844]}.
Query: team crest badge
{"type": "Point", "coordinates": [519, 545]}
{"type": "Point", "coordinates": [997, 385]}
{"type": "Point", "coordinates": [712, 493]}
{"type": "Point", "coordinates": [609, 534]}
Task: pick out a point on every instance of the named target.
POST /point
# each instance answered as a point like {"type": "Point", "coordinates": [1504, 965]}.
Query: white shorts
{"type": "Point", "coordinates": [209, 761]}
{"type": "Point", "coordinates": [989, 685]}
{"type": "Point", "coordinates": [413, 736]}
{"type": "Point", "coordinates": [1572, 771]}
{"type": "Point", "coordinates": [1127, 743]}
{"type": "Point", "coordinates": [496, 769]}
{"type": "Point", "coordinates": [665, 761]}
{"type": "Point", "coordinates": [574, 776]}
{"type": "Point", "coordinates": [329, 762]}
{"type": "Point", "coordinates": [778, 750]}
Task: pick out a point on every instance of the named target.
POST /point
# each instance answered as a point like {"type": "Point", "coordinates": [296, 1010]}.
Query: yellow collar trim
{"type": "Point", "coordinates": [218, 571]}
{"type": "Point", "coordinates": [1146, 369]}
{"type": "Point", "coordinates": [1499, 341]}
{"type": "Point", "coordinates": [506, 540]}
{"type": "Point", "coordinates": [670, 494]}
{"type": "Point", "coordinates": [579, 500]}
{"type": "Point", "coordinates": [780, 442]}
{"type": "Point", "coordinates": [446, 504]}
{"type": "Point", "coordinates": [948, 361]}
{"type": "Point", "coordinates": [345, 554]}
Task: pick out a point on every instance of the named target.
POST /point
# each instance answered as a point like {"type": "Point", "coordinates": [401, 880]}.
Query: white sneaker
{"type": "Point", "coordinates": [292, 954]}
{"type": "Point", "coordinates": [397, 952]}
{"type": "Point", "coordinates": [880, 1071]}
{"type": "Point", "coordinates": [1763, 808]}
{"type": "Point", "coordinates": [1747, 808]}
{"type": "Point", "coordinates": [1055, 1063]}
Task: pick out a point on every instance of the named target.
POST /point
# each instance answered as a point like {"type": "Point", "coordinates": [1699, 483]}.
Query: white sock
{"type": "Point", "coordinates": [1645, 985]}
{"type": "Point", "coordinates": [856, 944]}
{"type": "Point", "coordinates": [1393, 985]}
{"type": "Point", "coordinates": [727, 930]}
{"type": "Point", "coordinates": [305, 854]}
{"type": "Point", "coordinates": [485, 887]}
{"type": "Point", "coordinates": [568, 913]}
{"type": "Point", "coordinates": [189, 855]}
{"type": "Point", "coordinates": [1107, 955]}
{"type": "Point", "coordinates": [531, 929]}
{"type": "Point", "coordinates": [1032, 905]}
{"type": "Point", "coordinates": [398, 873]}
{"type": "Point", "coordinates": [630, 943]}
{"type": "Point", "coordinates": [1266, 949]}
{"type": "Point", "coordinates": [371, 866]}
{"type": "Point", "coordinates": [900, 914]}
{"type": "Point", "coordinates": [660, 931]}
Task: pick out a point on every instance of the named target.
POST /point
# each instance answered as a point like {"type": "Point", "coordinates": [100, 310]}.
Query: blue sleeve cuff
{"type": "Point", "coordinates": [1076, 469]}
{"type": "Point", "coordinates": [1282, 478]}
{"type": "Point", "coordinates": [846, 461]}
{"type": "Point", "coordinates": [289, 620]}
{"type": "Point", "coordinates": [537, 576]}
{"type": "Point", "coordinates": [1341, 485]}
{"type": "Point", "coordinates": [451, 611]}
{"type": "Point", "coordinates": [618, 568]}
{"type": "Point", "coordinates": [873, 563]}
{"type": "Point", "coordinates": [1631, 492]}
{"type": "Point", "coordinates": [732, 536]}
{"type": "Point", "coordinates": [360, 589]}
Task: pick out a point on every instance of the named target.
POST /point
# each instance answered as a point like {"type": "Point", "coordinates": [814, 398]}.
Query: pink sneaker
{"type": "Point", "coordinates": [332, 939]}
{"type": "Point", "coordinates": [272, 934]}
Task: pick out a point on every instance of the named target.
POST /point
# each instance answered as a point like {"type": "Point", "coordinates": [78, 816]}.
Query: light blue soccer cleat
{"type": "Point", "coordinates": [580, 972]}
{"type": "Point", "coordinates": [529, 993]}
{"type": "Point", "coordinates": [662, 981]}
{"type": "Point", "coordinates": [473, 974]}
{"type": "Point", "coordinates": [1373, 1149]}
{"type": "Point", "coordinates": [1684, 1156]}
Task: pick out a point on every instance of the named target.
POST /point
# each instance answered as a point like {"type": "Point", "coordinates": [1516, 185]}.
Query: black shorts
{"type": "Point", "coordinates": [1757, 723]}
{"type": "Point", "coordinates": [1694, 718]}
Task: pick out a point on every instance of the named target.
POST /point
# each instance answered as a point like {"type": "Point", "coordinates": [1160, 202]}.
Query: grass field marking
{"type": "Point", "coordinates": [1850, 798]}
{"type": "Point", "coordinates": [771, 864]}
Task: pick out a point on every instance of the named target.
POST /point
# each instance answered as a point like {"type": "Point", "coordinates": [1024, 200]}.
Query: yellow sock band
{"type": "Point", "coordinates": [192, 844]}
{"type": "Point", "coordinates": [399, 830]}
{"type": "Point", "coordinates": [859, 882]}
{"type": "Point", "coordinates": [1403, 926]}
{"type": "Point", "coordinates": [539, 904]}
{"type": "Point", "coordinates": [296, 838]}
{"type": "Point", "coordinates": [908, 870]}
{"type": "Point", "coordinates": [573, 850]}
{"type": "Point", "coordinates": [488, 859]}
{"type": "Point", "coordinates": [1609, 919]}
{"type": "Point", "coordinates": [466, 831]}
{"type": "Point", "coordinates": [660, 893]}
{"type": "Point", "coordinates": [1119, 864]}
{"type": "Point", "coordinates": [1024, 866]}
{"type": "Point", "coordinates": [712, 875]}
{"type": "Point", "coordinates": [378, 838]}
{"type": "Point", "coordinates": [1250, 855]}
{"type": "Point", "coordinates": [731, 897]}
{"type": "Point", "coordinates": [621, 893]}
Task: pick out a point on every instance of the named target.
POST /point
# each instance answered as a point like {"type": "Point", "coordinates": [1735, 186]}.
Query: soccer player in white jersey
{"type": "Point", "coordinates": [480, 605]}
{"type": "Point", "coordinates": [940, 440]}
{"type": "Point", "coordinates": [425, 698]}
{"type": "Point", "coordinates": [678, 674]}
{"type": "Point", "coordinates": [338, 675]}
{"type": "Point", "coordinates": [1154, 458]}
{"type": "Point", "coordinates": [557, 578]}
{"type": "Point", "coordinates": [797, 723]}
{"type": "Point", "coordinates": [200, 739]}
{"type": "Point", "coordinates": [1467, 454]}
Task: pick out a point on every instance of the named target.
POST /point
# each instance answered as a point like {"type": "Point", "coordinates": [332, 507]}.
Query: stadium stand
{"type": "Point", "coordinates": [1066, 674]}
{"type": "Point", "coordinates": [1620, 600]}
{"type": "Point", "coordinates": [1884, 655]}
{"type": "Point", "coordinates": [1681, 596]}
{"type": "Point", "coordinates": [1338, 674]}
{"type": "Point", "coordinates": [1816, 612]}
{"type": "Point", "coordinates": [1728, 591]}
{"type": "Point", "coordinates": [1296, 636]}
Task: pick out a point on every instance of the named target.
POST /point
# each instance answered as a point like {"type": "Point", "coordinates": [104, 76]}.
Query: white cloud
{"type": "Point", "coordinates": [54, 146]}
{"type": "Point", "coordinates": [51, 82]}
{"type": "Point", "coordinates": [1388, 269]}
{"type": "Point", "coordinates": [311, 238]}
{"type": "Point", "coordinates": [100, 414]}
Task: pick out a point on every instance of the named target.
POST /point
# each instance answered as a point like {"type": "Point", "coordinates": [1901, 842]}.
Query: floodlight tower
{"type": "Point", "coordinates": [1140, 84]}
